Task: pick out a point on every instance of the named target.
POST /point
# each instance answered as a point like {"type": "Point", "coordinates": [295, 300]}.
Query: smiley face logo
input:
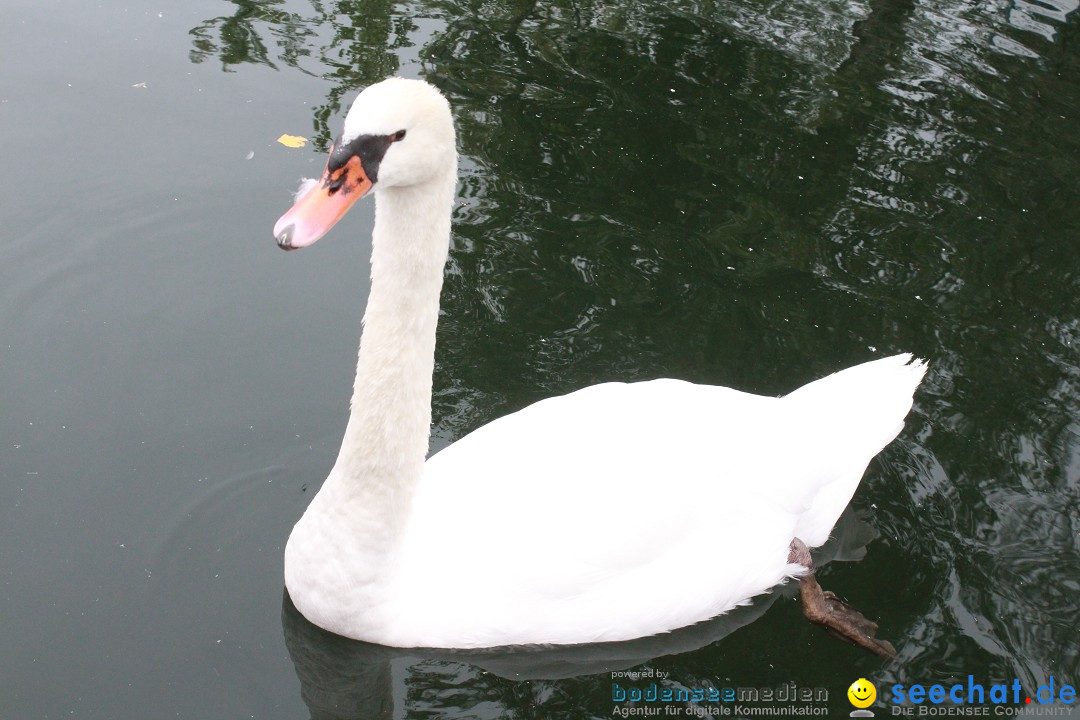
{"type": "Point", "coordinates": [862, 693]}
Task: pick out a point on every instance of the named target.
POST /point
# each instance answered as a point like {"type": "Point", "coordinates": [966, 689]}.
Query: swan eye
{"type": "Point", "coordinates": [399, 135]}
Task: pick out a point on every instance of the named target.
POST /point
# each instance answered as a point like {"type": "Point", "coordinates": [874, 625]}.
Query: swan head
{"type": "Point", "coordinates": [398, 133]}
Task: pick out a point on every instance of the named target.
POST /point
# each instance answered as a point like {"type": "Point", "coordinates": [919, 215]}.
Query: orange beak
{"type": "Point", "coordinates": [326, 202]}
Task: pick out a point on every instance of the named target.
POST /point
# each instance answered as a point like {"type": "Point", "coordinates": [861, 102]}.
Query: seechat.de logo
{"type": "Point", "coordinates": [862, 695]}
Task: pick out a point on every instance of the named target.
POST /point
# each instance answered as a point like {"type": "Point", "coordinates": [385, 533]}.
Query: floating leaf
{"type": "Point", "coordinates": [293, 141]}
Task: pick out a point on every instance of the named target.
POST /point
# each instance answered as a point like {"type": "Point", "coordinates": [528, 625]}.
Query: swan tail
{"type": "Point", "coordinates": [871, 400]}
{"type": "Point", "coordinates": [848, 418]}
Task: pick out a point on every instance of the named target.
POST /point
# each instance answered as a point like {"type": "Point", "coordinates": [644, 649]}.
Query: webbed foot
{"type": "Point", "coordinates": [836, 616]}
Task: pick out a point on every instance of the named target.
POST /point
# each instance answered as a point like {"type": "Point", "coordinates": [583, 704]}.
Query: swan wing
{"type": "Point", "coordinates": [624, 510]}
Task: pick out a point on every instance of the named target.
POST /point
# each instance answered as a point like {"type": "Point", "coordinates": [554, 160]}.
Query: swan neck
{"type": "Point", "coordinates": [386, 441]}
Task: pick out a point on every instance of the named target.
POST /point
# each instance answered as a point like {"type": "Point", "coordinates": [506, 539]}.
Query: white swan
{"type": "Point", "coordinates": [614, 512]}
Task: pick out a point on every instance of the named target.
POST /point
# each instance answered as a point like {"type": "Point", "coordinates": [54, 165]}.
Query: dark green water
{"type": "Point", "coordinates": [747, 194]}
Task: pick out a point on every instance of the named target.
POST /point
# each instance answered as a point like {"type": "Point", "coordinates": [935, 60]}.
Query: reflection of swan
{"type": "Point", "coordinates": [615, 512]}
{"type": "Point", "coordinates": [342, 678]}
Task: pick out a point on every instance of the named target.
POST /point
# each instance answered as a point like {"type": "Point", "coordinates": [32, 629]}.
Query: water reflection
{"type": "Point", "coordinates": [740, 194]}
{"type": "Point", "coordinates": [342, 678]}
{"type": "Point", "coordinates": [239, 39]}
{"type": "Point", "coordinates": [359, 52]}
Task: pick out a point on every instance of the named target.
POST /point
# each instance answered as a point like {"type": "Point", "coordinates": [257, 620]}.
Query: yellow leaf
{"type": "Point", "coordinates": [293, 141]}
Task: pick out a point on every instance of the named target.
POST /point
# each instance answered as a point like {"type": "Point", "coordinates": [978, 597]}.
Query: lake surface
{"type": "Point", "coordinates": [744, 193]}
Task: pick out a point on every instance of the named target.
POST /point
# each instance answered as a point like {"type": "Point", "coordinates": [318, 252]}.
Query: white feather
{"type": "Point", "coordinates": [306, 186]}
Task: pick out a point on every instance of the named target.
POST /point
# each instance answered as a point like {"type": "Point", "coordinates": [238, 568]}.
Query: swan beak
{"type": "Point", "coordinates": [322, 205]}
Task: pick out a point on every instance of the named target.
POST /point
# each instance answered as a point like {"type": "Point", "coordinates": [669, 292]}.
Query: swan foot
{"type": "Point", "coordinates": [836, 616]}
